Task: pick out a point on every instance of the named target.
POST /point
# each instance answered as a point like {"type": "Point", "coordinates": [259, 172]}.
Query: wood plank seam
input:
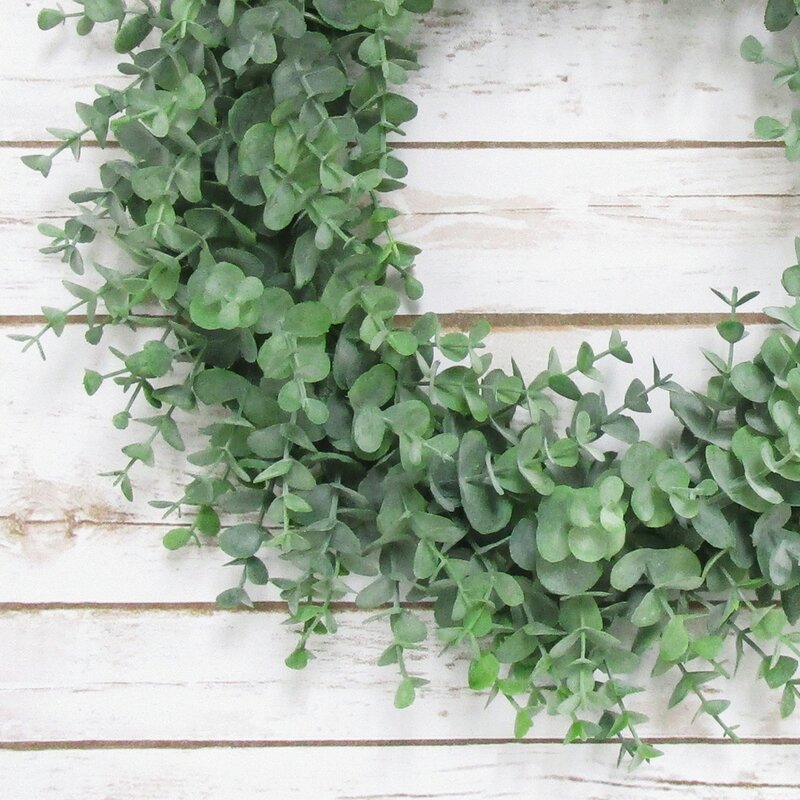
{"type": "Point", "coordinates": [507, 321]}
{"type": "Point", "coordinates": [205, 744]}
{"type": "Point", "coordinates": [474, 144]}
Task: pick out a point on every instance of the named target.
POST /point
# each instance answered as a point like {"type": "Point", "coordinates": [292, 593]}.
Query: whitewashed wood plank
{"type": "Point", "coordinates": [483, 180]}
{"type": "Point", "coordinates": [196, 674]}
{"type": "Point", "coordinates": [546, 260]}
{"type": "Point", "coordinates": [505, 71]}
{"type": "Point", "coordinates": [59, 440]}
{"type": "Point", "coordinates": [512, 231]}
{"type": "Point", "coordinates": [504, 772]}
{"type": "Point", "coordinates": [591, 71]}
{"type": "Point", "coordinates": [49, 562]}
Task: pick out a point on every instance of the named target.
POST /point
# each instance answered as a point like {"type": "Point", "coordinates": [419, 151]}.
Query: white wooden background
{"type": "Point", "coordinates": [575, 163]}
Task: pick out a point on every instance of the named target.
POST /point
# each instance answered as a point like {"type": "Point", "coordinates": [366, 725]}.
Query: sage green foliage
{"type": "Point", "coordinates": [249, 198]}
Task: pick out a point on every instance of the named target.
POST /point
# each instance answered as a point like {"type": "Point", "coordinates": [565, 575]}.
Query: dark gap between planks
{"type": "Point", "coordinates": [507, 321]}
{"type": "Point", "coordinates": [205, 744]}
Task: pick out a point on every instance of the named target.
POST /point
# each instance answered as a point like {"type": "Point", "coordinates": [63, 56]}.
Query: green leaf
{"type": "Point", "coordinates": [405, 694]}
{"type": "Point", "coordinates": [307, 320]}
{"type": "Point", "coordinates": [411, 417]}
{"type": "Point", "coordinates": [553, 525]}
{"type": "Point", "coordinates": [729, 475]}
{"type": "Point", "coordinates": [790, 601]}
{"type": "Point", "coordinates": [215, 386]}
{"type": "Point", "coordinates": [752, 382]}
{"type": "Point", "coordinates": [39, 163]}
{"type": "Point", "coordinates": [770, 626]}
{"type": "Point", "coordinates": [408, 628]}
{"type": "Point", "coordinates": [752, 50]}
{"type": "Point", "coordinates": [674, 640]}
{"type": "Point", "coordinates": [256, 152]}
{"type": "Point", "coordinates": [436, 528]}
{"type": "Point", "coordinates": [296, 504]}
{"type": "Point", "coordinates": [207, 521]}
{"type": "Point", "coordinates": [398, 109]}
{"type": "Point", "coordinates": [516, 647]}
{"type": "Point", "coordinates": [153, 361]}
{"type": "Point", "coordinates": [403, 342]}
{"type": "Point", "coordinates": [628, 570]}
{"type": "Point", "coordinates": [132, 33]}
{"type": "Point", "coordinates": [486, 511]}
{"type": "Point", "coordinates": [779, 14]}
{"type": "Point", "coordinates": [483, 672]}
{"type": "Point", "coordinates": [241, 541]}
{"type": "Point", "coordinates": [92, 381]}
{"type": "Point", "coordinates": [731, 330]}
{"type": "Point", "coordinates": [565, 386]}
{"type": "Point", "coordinates": [769, 128]}
{"type": "Point", "coordinates": [369, 428]}
{"type": "Point", "coordinates": [256, 571]}
{"type": "Point", "coordinates": [233, 598]}
{"type": "Point", "coordinates": [375, 387]}
{"type": "Point", "coordinates": [425, 561]}
{"type": "Point", "coordinates": [569, 576]}
{"type": "Point", "coordinates": [49, 18]}
{"type": "Point", "coordinates": [140, 451]}
{"type": "Point", "coordinates": [377, 593]}
{"type": "Point", "coordinates": [649, 610]}
{"type": "Point", "coordinates": [177, 538]}
{"type": "Point", "coordinates": [345, 15]}
{"type": "Point", "coordinates": [104, 10]}
{"type": "Point", "coordinates": [788, 701]}
{"type": "Point", "coordinates": [305, 259]}
{"type": "Point", "coordinates": [523, 722]}
{"type": "Point", "coordinates": [675, 568]}
{"type": "Point", "coordinates": [791, 280]}
{"type": "Point", "coordinates": [781, 672]}
{"type": "Point", "coordinates": [298, 659]}
{"type": "Point", "coordinates": [508, 589]}
{"type": "Point", "coordinates": [522, 545]}
{"type": "Point", "coordinates": [713, 526]}
{"type": "Point", "coordinates": [588, 544]}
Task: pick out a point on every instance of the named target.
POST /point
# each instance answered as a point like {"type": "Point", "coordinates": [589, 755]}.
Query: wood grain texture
{"type": "Point", "coordinates": [516, 231]}
{"type": "Point", "coordinates": [581, 70]}
{"type": "Point", "coordinates": [699, 772]}
{"type": "Point", "coordinates": [195, 673]}
{"type": "Point", "coordinates": [119, 679]}
{"type": "Point", "coordinates": [58, 440]}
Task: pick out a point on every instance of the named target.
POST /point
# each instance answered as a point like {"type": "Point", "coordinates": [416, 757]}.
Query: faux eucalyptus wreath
{"type": "Point", "coordinates": [249, 199]}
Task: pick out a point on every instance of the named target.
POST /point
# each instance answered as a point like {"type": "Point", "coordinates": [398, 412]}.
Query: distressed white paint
{"type": "Point", "coordinates": [509, 231]}
{"type": "Point", "coordinates": [582, 70]}
{"type": "Point", "coordinates": [535, 230]}
{"type": "Point", "coordinates": [58, 440]}
{"type": "Point", "coordinates": [702, 772]}
{"type": "Point", "coordinates": [191, 674]}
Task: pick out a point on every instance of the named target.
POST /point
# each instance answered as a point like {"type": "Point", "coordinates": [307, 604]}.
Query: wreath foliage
{"type": "Point", "coordinates": [248, 197]}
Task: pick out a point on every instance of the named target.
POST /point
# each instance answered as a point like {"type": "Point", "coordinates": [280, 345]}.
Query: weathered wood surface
{"type": "Point", "coordinates": [61, 440]}
{"type": "Point", "coordinates": [518, 231]}
{"type": "Point", "coordinates": [172, 672]}
{"type": "Point", "coordinates": [118, 677]}
{"type": "Point", "coordinates": [515, 772]}
{"type": "Point", "coordinates": [545, 71]}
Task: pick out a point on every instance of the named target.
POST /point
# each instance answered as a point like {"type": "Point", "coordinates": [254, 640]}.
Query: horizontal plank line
{"type": "Point", "coordinates": [501, 321]}
{"type": "Point", "coordinates": [672, 144]}
{"type": "Point", "coordinates": [71, 521]}
{"type": "Point", "coordinates": [589, 320]}
{"type": "Point", "coordinates": [641, 208]}
{"type": "Point", "coordinates": [470, 144]}
{"type": "Point", "coordinates": [191, 607]}
{"type": "Point", "coordinates": [206, 744]}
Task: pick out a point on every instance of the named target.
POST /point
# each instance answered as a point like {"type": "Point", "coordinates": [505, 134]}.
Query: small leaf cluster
{"type": "Point", "coordinates": [352, 455]}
